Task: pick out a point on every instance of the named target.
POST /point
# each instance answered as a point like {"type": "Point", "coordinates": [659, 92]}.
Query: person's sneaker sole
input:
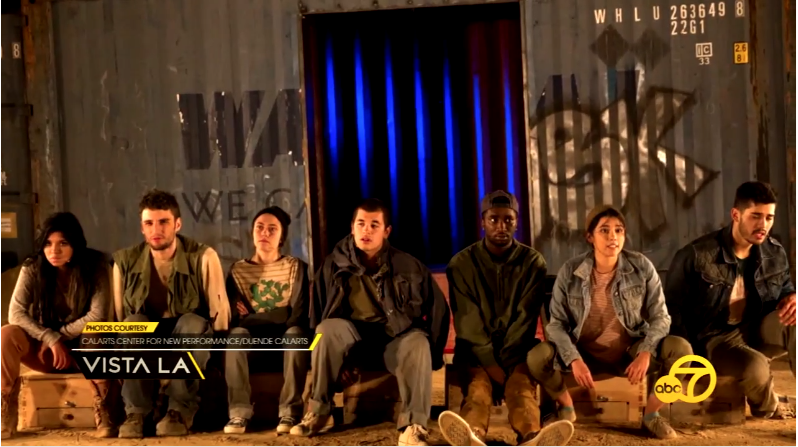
{"type": "Point", "coordinates": [556, 433]}
{"type": "Point", "coordinates": [234, 430]}
{"type": "Point", "coordinates": [456, 430]}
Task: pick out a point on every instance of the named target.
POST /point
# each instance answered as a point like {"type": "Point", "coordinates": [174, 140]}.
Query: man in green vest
{"type": "Point", "coordinates": [179, 283]}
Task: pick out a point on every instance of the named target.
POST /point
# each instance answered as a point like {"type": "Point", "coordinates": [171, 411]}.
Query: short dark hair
{"type": "Point", "coordinates": [754, 193]}
{"type": "Point", "coordinates": [372, 205]}
{"type": "Point", "coordinates": [282, 217]}
{"type": "Point", "coordinates": [156, 199]}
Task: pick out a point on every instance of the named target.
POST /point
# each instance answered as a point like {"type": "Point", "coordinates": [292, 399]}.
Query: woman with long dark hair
{"type": "Point", "coordinates": [62, 286]}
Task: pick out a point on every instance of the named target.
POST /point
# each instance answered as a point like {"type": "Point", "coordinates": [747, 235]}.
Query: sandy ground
{"type": "Point", "coordinates": [753, 432]}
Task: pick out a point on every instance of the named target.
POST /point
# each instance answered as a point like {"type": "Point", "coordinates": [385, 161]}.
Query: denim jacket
{"type": "Point", "coordinates": [637, 298]}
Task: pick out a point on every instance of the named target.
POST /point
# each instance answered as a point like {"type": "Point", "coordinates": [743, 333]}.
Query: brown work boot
{"type": "Point", "coordinates": [8, 418]}
{"type": "Point", "coordinates": [102, 417]}
{"type": "Point", "coordinates": [133, 427]}
{"type": "Point", "coordinates": [172, 424]}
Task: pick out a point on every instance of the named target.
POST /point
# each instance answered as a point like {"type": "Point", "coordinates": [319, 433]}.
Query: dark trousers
{"type": "Point", "coordinates": [237, 365]}
{"type": "Point", "coordinates": [407, 357]}
{"type": "Point", "coordinates": [745, 353]}
{"type": "Point", "coordinates": [183, 394]}
{"type": "Point", "coordinates": [541, 363]}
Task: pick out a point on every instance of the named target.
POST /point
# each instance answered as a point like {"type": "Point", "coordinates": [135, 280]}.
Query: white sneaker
{"type": "Point", "coordinates": [236, 425]}
{"type": "Point", "coordinates": [313, 424]}
{"type": "Point", "coordinates": [456, 430]}
{"type": "Point", "coordinates": [556, 433]}
{"type": "Point", "coordinates": [414, 435]}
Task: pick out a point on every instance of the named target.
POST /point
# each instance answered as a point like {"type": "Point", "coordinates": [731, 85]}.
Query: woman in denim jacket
{"type": "Point", "coordinates": [608, 315]}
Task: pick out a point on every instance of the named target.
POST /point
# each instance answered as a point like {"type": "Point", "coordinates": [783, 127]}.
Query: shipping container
{"type": "Point", "coordinates": [660, 107]}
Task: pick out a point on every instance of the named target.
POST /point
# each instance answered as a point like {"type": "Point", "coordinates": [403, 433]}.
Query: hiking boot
{"type": "Point", "coordinates": [133, 427]}
{"type": "Point", "coordinates": [556, 433]}
{"type": "Point", "coordinates": [785, 409]}
{"type": "Point", "coordinates": [8, 418]}
{"type": "Point", "coordinates": [414, 435]}
{"type": "Point", "coordinates": [285, 425]}
{"type": "Point", "coordinates": [456, 430]}
{"type": "Point", "coordinates": [102, 419]}
{"type": "Point", "coordinates": [659, 427]}
{"type": "Point", "coordinates": [236, 425]}
{"type": "Point", "coordinates": [313, 424]}
{"type": "Point", "coordinates": [172, 424]}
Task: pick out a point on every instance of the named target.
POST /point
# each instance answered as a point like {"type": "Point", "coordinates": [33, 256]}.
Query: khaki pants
{"type": "Point", "coordinates": [519, 394]}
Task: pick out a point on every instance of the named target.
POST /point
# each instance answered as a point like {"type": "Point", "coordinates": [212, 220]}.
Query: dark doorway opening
{"type": "Point", "coordinates": [422, 108]}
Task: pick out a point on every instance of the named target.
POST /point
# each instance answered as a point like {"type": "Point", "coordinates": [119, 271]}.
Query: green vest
{"type": "Point", "coordinates": [186, 291]}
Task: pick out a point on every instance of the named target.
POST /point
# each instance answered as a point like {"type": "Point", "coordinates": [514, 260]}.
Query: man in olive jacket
{"type": "Point", "coordinates": [179, 283]}
{"type": "Point", "coordinates": [369, 293]}
{"type": "Point", "coordinates": [496, 290]}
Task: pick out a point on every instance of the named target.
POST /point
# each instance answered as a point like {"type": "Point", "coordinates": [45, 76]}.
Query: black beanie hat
{"type": "Point", "coordinates": [282, 216]}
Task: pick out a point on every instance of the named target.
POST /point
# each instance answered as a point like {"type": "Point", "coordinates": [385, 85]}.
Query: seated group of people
{"type": "Point", "coordinates": [728, 296]}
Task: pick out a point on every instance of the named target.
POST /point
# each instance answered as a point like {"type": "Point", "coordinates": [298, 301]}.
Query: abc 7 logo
{"type": "Point", "coordinates": [669, 388]}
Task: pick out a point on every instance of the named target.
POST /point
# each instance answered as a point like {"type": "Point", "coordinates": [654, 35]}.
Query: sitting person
{"type": "Point", "coordinates": [608, 315]}
{"type": "Point", "coordinates": [496, 290]}
{"type": "Point", "coordinates": [268, 299]}
{"type": "Point", "coordinates": [61, 287]}
{"type": "Point", "coordinates": [179, 283]}
{"type": "Point", "coordinates": [367, 291]}
{"type": "Point", "coordinates": [730, 294]}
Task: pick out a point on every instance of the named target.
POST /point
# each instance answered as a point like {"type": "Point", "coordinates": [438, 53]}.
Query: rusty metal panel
{"type": "Point", "coordinates": [332, 6]}
{"type": "Point", "coordinates": [200, 98]}
{"type": "Point", "coordinates": [789, 103]}
{"type": "Point", "coordinates": [662, 108]}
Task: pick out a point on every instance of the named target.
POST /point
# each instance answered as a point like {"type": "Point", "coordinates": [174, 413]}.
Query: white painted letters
{"type": "Point", "coordinates": [601, 15]}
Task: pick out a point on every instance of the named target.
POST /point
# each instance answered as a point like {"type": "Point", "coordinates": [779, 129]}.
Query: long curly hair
{"type": "Point", "coordinates": [85, 268]}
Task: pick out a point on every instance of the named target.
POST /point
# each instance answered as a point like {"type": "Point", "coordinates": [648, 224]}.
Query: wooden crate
{"type": "Point", "coordinates": [614, 400]}
{"type": "Point", "coordinates": [55, 401]}
{"type": "Point", "coordinates": [726, 405]}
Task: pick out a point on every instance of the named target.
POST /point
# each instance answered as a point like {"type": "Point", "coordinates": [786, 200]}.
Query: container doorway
{"type": "Point", "coordinates": [422, 108]}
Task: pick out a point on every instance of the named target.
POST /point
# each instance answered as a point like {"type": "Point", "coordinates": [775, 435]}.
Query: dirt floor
{"type": "Point", "coordinates": [753, 432]}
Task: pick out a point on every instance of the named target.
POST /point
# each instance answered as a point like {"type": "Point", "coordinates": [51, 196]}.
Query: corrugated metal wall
{"type": "Point", "coordinates": [656, 107]}
{"type": "Point", "coordinates": [638, 103]}
{"type": "Point", "coordinates": [173, 94]}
